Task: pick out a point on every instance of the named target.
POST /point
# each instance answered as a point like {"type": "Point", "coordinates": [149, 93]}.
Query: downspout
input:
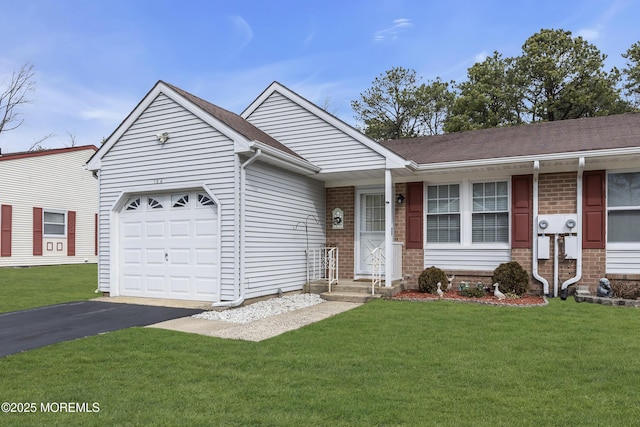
{"type": "Point", "coordinates": [534, 257]}
{"type": "Point", "coordinates": [564, 290]}
{"type": "Point", "coordinates": [241, 239]}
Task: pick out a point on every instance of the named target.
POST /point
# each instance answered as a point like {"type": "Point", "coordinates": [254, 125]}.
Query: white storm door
{"type": "Point", "coordinates": [371, 217]}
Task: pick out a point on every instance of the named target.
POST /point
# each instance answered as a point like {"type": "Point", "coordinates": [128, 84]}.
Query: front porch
{"type": "Point", "coordinates": [324, 275]}
{"type": "Point", "coordinates": [353, 290]}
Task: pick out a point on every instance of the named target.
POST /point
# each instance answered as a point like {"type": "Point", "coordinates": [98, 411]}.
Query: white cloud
{"type": "Point", "coordinates": [391, 33]}
{"type": "Point", "coordinates": [590, 34]}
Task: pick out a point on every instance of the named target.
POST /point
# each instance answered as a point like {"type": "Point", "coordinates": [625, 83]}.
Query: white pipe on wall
{"type": "Point", "coordinates": [243, 186]}
{"type": "Point", "coordinates": [534, 268]}
{"type": "Point", "coordinates": [578, 276]}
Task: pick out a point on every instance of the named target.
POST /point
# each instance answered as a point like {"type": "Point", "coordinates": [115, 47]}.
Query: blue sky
{"type": "Point", "coordinates": [95, 60]}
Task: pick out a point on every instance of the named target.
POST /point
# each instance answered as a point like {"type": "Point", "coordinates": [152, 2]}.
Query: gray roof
{"type": "Point", "coordinates": [565, 136]}
{"type": "Point", "coordinates": [235, 122]}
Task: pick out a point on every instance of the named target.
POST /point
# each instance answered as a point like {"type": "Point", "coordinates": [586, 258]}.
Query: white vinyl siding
{"type": "Point", "coordinates": [623, 223]}
{"type": "Point", "coordinates": [195, 154]}
{"type": "Point", "coordinates": [279, 205]}
{"type": "Point", "coordinates": [313, 138]}
{"type": "Point", "coordinates": [469, 259]}
{"type": "Point", "coordinates": [55, 182]}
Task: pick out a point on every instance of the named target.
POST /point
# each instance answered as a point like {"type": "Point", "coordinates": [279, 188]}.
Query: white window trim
{"type": "Point", "coordinates": [617, 246]}
{"type": "Point", "coordinates": [466, 215]}
{"type": "Point", "coordinates": [66, 223]}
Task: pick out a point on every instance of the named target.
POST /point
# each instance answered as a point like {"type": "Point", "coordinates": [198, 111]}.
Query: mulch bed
{"type": "Point", "coordinates": [523, 301]}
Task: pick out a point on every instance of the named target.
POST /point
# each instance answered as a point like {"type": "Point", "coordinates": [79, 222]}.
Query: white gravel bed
{"type": "Point", "coordinates": [262, 309]}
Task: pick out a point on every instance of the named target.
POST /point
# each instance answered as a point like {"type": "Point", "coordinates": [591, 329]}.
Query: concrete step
{"type": "Point", "coordinates": [582, 291]}
{"type": "Point", "coordinates": [348, 296]}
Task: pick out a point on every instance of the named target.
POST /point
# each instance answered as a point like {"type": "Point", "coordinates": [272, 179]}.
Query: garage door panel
{"type": "Point", "coordinates": [155, 257]}
{"type": "Point", "coordinates": [205, 285]}
{"type": "Point", "coordinates": [132, 229]}
{"type": "Point", "coordinates": [170, 250]}
{"type": "Point", "coordinates": [180, 228]}
{"type": "Point", "coordinates": [206, 227]}
{"type": "Point", "coordinates": [154, 229]}
{"type": "Point", "coordinates": [180, 285]}
{"type": "Point", "coordinates": [180, 257]}
{"type": "Point", "coordinates": [132, 256]}
{"type": "Point", "coordinates": [132, 282]}
{"type": "Point", "coordinates": [206, 256]}
{"type": "Point", "coordinates": [155, 283]}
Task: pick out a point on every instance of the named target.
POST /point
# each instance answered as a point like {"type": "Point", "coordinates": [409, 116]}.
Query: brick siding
{"type": "Point", "coordinates": [343, 198]}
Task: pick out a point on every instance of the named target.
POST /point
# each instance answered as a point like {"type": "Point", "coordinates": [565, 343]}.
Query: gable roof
{"type": "Point", "coordinates": [614, 132]}
{"type": "Point", "coordinates": [234, 121]}
{"type": "Point", "coordinates": [392, 159]}
{"type": "Point", "coordinates": [225, 121]}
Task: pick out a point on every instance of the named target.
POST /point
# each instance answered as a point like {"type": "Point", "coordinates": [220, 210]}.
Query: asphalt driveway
{"type": "Point", "coordinates": [37, 327]}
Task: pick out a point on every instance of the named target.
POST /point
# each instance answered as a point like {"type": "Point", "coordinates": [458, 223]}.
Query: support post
{"type": "Point", "coordinates": [389, 208]}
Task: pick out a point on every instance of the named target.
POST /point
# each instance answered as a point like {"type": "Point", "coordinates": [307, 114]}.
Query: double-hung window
{"type": "Point", "coordinates": [443, 213]}
{"type": "Point", "coordinates": [54, 223]}
{"type": "Point", "coordinates": [490, 216]}
{"type": "Point", "coordinates": [623, 207]}
{"type": "Point", "coordinates": [468, 213]}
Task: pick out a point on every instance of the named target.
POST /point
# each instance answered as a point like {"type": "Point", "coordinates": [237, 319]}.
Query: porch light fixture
{"type": "Point", "coordinates": [400, 199]}
{"type": "Point", "coordinates": [163, 137]}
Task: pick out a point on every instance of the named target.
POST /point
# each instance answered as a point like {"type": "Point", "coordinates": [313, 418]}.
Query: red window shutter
{"type": "Point", "coordinates": [414, 215]}
{"type": "Point", "coordinates": [71, 233]}
{"type": "Point", "coordinates": [521, 211]}
{"type": "Point", "coordinates": [37, 231]}
{"type": "Point", "coordinates": [5, 239]}
{"type": "Point", "coordinates": [593, 209]}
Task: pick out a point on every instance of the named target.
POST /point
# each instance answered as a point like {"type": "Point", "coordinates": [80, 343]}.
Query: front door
{"type": "Point", "coordinates": [370, 228]}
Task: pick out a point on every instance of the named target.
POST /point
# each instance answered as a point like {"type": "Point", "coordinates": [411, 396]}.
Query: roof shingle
{"type": "Point", "coordinates": [566, 136]}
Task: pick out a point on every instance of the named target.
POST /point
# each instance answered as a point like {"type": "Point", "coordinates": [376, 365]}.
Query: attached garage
{"type": "Point", "coordinates": [170, 246]}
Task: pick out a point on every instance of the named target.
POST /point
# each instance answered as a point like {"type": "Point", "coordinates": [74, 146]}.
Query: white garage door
{"type": "Point", "coordinates": [170, 247]}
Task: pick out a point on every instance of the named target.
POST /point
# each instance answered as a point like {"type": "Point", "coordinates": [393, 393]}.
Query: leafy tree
{"type": "Point", "coordinates": [14, 93]}
{"type": "Point", "coordinates": [388, 108]}
{"type": "Point", "coordinates": [632, 72]}
{"type": "Point", "coordinates": [491, 97]}
{"type": "Point", "coordinates": [564, 78]}
{"type": "Point", "coordinates": [434, 103]}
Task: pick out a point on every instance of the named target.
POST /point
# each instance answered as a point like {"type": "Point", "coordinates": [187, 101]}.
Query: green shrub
{"type": "Point", "coordinates": [428, 280]}
{"type": "Point", "coordinates": [512, 278]}
{"type": "Point", "coordinates": [476, 291]}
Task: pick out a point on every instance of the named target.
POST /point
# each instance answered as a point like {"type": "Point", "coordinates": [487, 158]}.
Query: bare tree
{"type": "Point", "coordinates": [13, 94]}
{"type": "Point", "coordinates": [37, 144]}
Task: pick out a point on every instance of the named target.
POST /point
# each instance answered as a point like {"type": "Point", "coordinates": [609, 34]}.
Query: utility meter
{"type": "Point", "coordinates": [571, 223]}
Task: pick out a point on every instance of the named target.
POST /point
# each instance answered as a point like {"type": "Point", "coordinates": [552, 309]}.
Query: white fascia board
{"type": "Point", "coordinates": [393, 160]}
{"type": "Point", "coordinates": [527, 159]}
{"type": "Point", "coordinates": [94, 163]}
{"type": "Point", "coordinates": [285, 160]}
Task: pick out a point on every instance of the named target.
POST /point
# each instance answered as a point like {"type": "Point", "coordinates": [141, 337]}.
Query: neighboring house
{"type": "Point", "coordinates": [199, 203]}
{"type": "Point", "coordinates": [48, 210]}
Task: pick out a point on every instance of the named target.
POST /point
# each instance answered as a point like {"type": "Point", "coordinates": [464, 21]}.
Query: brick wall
{"type": "Point", "coordinates": [343, 198]}
{"type": "Point", "coordinates": [557, 195]}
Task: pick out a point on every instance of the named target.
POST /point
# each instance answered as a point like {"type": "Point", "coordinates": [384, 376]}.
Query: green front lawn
{"type": "Point", "coordinates": [22, 288]}
{"type": "Point", "coordinates": [385, 363]}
